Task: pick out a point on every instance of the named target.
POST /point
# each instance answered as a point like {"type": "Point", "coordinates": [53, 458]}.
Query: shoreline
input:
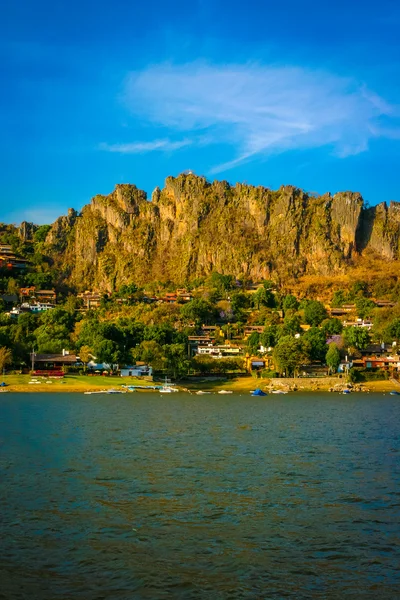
{"type": "Point", "coordinates": [79, 384]}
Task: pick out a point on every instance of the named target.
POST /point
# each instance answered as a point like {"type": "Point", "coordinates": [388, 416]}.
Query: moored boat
{"type": "Point", "coordinates": [258, 392]}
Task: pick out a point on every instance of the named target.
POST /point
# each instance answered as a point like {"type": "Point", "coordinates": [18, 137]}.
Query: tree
{"type": "Point", "coordinates": [178, 363]}
{"type": "Point", "coordinates": [41, 232]}
{"type": "Point", "coordinates": [263, 297]}
{"type": "Point", "coordinates": [198, 310]}
{"type": "Point", "coordinates": [332, 326]}
{"type": "Point", "coordinates": [239, 301]}
{"type": "Point", "coordinates": [269, 337]}
{"type": "Point", "coordinates": [393, 330]}
{"type": "Point", "coordinates": [290, 354]}
{"type": "Point", "coordinates": [107, 351]}
{"type": "Point", "coordinates": [317, 341]}
{"type": "Point", "coordinates": [364, 307]}
{"type": "Point", "coordinates": [359, 288]}
{"type": "Point", "coordinates": [356, 337]}
{"type": "Point", "coordinates": [314, 313]}
{"type": "Point", "coordinates": [85, 354]}
{"type": "Point", "coordinates": [223, 283]}
{"type": "Point", "coordinates": [150, 352]}
{"type": "Point", "coordinates": [333, 358]}
{"type": "Point", "coordinates": [253, 342]}
{"type": "Point", "coordinates": [290, 302]}
{"type": "Point", "coordinates": [291, 325]}
{"type": "Point", "coordinates": [338, 299]}
{"type": "Point", "coordinates": [5, 357]}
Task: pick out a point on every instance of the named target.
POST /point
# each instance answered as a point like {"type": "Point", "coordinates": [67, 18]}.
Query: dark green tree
{"type": "Point", "coordinates": [317, 341]}
{"type": "Point", "coordinates": [314, 313]}
{"type": "Point", "coordinates": [332, 326]}
{"type": "Point", "coordinates": [290, 302]}
{"type": "Point", "coordinates": [356, 337]}
{"type": "Point", "coordinates": [290, 354]}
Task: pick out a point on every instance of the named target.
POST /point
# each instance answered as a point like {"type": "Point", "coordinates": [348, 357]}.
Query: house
{"type": "Point", "coordinates": [377, 350]}
{"type": "Point", "coordinates": [198, 340]}
{"type": "Point", "coordinates": [90, 299]}
{"type": "Point", "coordinates": [27, 292]}
{"type": "Point", "coordinates": [93, 366]}
{"type": "Point", "coordinates": [9, 260]}
{"type": "Point", "coordinates": [366, 323]}
{"type": "Point", "coordinates": [39, 307]}
{"type": "Point", "coordinates": [46, 296]}
{"type": "Point", "coordinates": [219, 351]}
{"type": "Point", "coordinates": [6, 250]}
{"type": "Point", "coordinates": [183, 295]}
{"type": "Point", "coordinates": [385, 363]}
{"type": "Point", "coordinates": [138, 370]}
{"type": "Point", "coordinates": [170, 298]}
{"type": "Point", "coordinates": [349, 307]}
{"type": "Point", "coordinates": [51, 364]}
{"type": "Point", "coordinates": [384, 303]}
{"type": "Point", "coordinates": [255, 363]}
{"type": "Point", "coordinates": [209, 328]}
{"type": "Point", "coordinates": [345, 366]}
{"type": "Point", "coordinates": [253, 329]}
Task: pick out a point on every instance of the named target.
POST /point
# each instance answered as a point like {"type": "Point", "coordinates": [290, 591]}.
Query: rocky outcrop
{"type": "Point", "coordinates": [192, 227]}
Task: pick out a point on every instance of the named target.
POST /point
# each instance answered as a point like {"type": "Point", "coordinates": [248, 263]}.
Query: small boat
{"type": "Point", "coordinates": [258, 392]}
{"type": "Point", "coordinates": [116, 391]}
{"type": "Point", "coordinates": [346, 392]}
{"type": "Point", "coordinates": [278, 392]}
{"type": "Point", "coordinates": [96, 392]}
{"type": "Point", "coordinates": [167, 388]}
{"type": "Point", "coordinates": [394, 393]}
{"type": "Point", "coordinates": [225, 392]}
{"type": "Point", "coordinates": [201, 393]}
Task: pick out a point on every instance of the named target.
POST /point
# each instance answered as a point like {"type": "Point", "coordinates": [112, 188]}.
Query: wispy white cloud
{"type": "Point", "coordinates": [142, 147]}
{"type": "Point", "coordinates": [258, 109]}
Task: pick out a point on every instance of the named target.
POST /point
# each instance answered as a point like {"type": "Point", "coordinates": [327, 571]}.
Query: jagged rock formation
{"type": "Point", "coordinates": [192, 227]}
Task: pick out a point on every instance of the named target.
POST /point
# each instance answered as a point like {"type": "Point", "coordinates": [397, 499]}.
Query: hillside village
{"type": "Point", "coordinates": [219, 325]}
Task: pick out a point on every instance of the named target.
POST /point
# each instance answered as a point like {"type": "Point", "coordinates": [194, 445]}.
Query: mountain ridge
{"type": "Point", "coordinates": [192, 227]}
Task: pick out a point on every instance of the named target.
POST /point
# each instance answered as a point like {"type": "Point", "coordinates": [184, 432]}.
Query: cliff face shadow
{"type": "Point", "coordinates": [364, 228]}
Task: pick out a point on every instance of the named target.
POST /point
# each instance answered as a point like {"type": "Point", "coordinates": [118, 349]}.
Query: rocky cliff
{"type": "Point", "coordinates": [192, 227]}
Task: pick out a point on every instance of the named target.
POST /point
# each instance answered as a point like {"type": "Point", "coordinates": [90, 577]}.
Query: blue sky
{"type": "Point", "coordinates": [270, 93]}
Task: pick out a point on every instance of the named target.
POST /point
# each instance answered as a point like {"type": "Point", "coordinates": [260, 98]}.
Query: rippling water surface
{"type": "Point", "coordinates": [150, 496]}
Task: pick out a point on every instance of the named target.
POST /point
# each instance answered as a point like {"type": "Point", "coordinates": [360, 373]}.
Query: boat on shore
{"type": "Point", "coordinates": [201, 392]}
{"type": "Point", "coordinates": [258, 392]}
{"type": "Point", "coordinates": [167, 388]}
{"type": "Point", "coordinates": [278, 392]}
{"type": "Point", "coordinates": [225, 392]}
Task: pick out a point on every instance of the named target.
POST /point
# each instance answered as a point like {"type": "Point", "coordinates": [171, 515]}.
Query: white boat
{"type": "Point", "coordinates": [167, 388]}
{"type": "Point", "coordinates": [200, 393]}
{"type": "Point", "coordinates": [225, 392]}
{"type": "Point", "coordinates": [97, 392]}
{"type": "Point", "coordinates": [278, 392]}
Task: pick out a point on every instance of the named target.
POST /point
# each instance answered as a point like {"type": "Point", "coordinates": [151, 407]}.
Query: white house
{"type": "Point", "coordinates": [137, 371]}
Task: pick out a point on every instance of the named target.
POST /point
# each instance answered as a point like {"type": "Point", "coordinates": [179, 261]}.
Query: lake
{"type": "Point", "coordinates": [199, 497]}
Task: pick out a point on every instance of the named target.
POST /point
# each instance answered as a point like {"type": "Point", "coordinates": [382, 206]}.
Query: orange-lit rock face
{"type": "Point", "coordinates": [192, 227]}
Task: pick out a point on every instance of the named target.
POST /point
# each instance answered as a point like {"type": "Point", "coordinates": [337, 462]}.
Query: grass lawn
{"type": "Point", "coordinates": [70, 383]}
